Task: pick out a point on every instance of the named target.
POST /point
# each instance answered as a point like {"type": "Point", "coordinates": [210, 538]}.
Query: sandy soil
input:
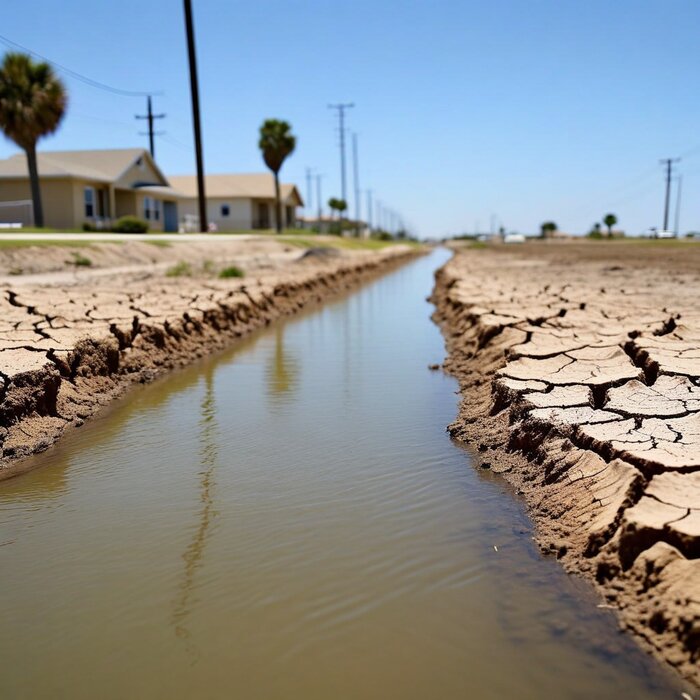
{"type": "Point", "coordinates": [68, 346]}
{"type": "Point", "coordinates": [25, 264]}
{"type": "Point", "coordinates": [579, 367]}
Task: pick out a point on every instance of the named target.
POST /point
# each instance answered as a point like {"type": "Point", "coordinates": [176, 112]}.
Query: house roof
{"type": "Point", "coordinates": [161, 190]}
{"type": "Point", "coordinates": [103, 165]}
{"type": "Point", "coordinates": [236, 186]}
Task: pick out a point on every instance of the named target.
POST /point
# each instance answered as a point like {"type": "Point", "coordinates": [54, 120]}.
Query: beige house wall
{"type": "Point", "coordinates": [57, 198]}
{"type": "Point", "coordinates": [244, 213]}
{"type": "Point", "coordinates": [138, 174]}
{"type": "Point", "coordinates": [79, 202]}
{"type": "Point", "coordinates": [153, 225]}
{"type": "Point", "coordinates": [125, 201]}
{"type": "Point", "coordinates": [240, 216]}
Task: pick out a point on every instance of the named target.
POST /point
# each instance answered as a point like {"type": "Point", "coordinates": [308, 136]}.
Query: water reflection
{"type": "Point", "coordinates": [282, 372]}
{"type": "Point", "coordinates": [192, 556]}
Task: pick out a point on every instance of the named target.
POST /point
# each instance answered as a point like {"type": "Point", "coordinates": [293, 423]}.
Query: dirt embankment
{"type": "Point", "coordinates": [68, 262]}
{"type": "Point", "coordinates": [68, 350]}
{"type": "Point", "coordinates": [579, 367]}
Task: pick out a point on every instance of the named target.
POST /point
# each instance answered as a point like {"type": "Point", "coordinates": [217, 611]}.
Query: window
{"type": "Point", "coordinates": [89, 196]}
{"type": "Point", "coordinates": [147, 208]}
{"type": "Point", "coordinates": [157, 206]}
{"type": "Point", "coordinates": [225, 211]}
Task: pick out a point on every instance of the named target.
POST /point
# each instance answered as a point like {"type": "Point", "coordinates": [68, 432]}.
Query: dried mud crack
{"type": "Point", "coordinates": [68, 350]}
{"type": "Point", "coordinates": [581, 384]}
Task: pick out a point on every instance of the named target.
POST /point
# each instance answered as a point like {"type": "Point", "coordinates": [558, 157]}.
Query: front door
{"type": "Point", "coordinates": [169, 216]}
{"type": "Point", "coordinates": [263, 215]}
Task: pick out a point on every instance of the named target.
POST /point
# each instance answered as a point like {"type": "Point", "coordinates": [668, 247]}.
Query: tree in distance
{"type": "Point", "coordinates": [595, 231]}
{"type": "Point", "coordinates": [610, 220]}
{"type": "Point", "coordinates": [547, 229]}
{"type": "Point", "coordinates": [32, 104]}
{"type": "Point", "coordinates": [339, 205]}
{"type": "Point", "coordinates": [276, 143]}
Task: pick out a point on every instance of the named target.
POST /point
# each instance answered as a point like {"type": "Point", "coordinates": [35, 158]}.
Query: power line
{"type": "Point", "coordinates": [150, 117]}
{"type": "Point", "coordinates": [369, 210]}
{"type": "Point", "coordinates": [669, 165]}
{"type": "Point", "coordinates": [356, 179]}
{"type": "Point", "coordinates": [308, 189]}
{"type": "Point", "coordinates": [194, 89]}
{"type": "Point", "coordinates": [319, 200]}
{"type": "Point", "coordinates": [341, 107]}
{"type": "Point", "coordinates": [78, 76]}
{"type": "Point", "coordinates": [676, 227]}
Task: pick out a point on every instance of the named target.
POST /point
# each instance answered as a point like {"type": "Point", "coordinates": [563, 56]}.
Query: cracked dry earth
{"type": "Point", "coordinates": [579, 367]}
{"type": "Point", "coordinates": [68, 350]}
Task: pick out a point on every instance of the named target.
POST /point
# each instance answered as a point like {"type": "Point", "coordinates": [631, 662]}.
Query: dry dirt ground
{"type": "Point", "coordinates": [579, 366]}
{"type": "Point", "coordinates": [72, 342]}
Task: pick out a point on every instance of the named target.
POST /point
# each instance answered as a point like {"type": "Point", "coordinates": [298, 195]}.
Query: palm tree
{"type": "Point", "coordinates": [276, 143]}
{"type": "Point", "coordinates": [32, 103]}
{"type": "Point", "coordinates": [339, 205]}
{"type": "Point", "coordinates": [548, 228]}
{"type": "Point", "coordinates": [610, 220]}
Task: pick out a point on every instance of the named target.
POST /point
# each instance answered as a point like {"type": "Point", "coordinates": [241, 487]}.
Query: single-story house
{"type": "Point", "coordinates": [238, 202]}
{"type": "Point", "coordinates": [94, 187]}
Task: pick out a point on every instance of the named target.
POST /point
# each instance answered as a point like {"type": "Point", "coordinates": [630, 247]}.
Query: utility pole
{"type": "Point", "coordinates": [341, 107]}
{"type": "Point", "coordinates": [308, 190]}
{"type": "Point", "coordinates": [379, 216]}
{"type": "Point", "coordinates": [669, 165]}
{"type": "Point", "coordinates": [194, 89]}
{"type": "Point", "coordinates": [150, 117]}
{"type": "Point", "coordinates": [319, 202]}
{"type": "Point", "coordinates": [369, 210]}
{"type": "Point", "coordinates": [356, 178]}
{"type": "Point", "coordinates": [676, 228]}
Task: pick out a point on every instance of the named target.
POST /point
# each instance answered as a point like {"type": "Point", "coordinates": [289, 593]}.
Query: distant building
{"type": "Point", "coordinates": [239, 202]}
{"type": "Point", "coordinates": [98, 187]}
{"type": "Point", "coordinates": [94, 187]}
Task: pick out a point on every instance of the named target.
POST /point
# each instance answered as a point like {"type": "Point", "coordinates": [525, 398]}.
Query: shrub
{"type": "Point", "coordinates": [79, 260]}
{"type": "Point", "coordinates": [181, 269]}
{"type": "Point", "coordinates": [88, 226]}
{"type": "Point", "coordinates": [232, 271]}
{"type": "Point", "coordinates": [130, 224]}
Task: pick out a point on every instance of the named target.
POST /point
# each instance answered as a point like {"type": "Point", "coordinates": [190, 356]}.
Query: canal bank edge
{"type": "Point", "coordinates": [549, 382]}
{"type": "Point", "coordinates": [71, 369]}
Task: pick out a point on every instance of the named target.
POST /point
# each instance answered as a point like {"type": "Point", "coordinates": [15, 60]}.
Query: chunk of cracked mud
{"type": "Point", "coordinates": [669, 584]}
{"type": "Point", "coordinates": [651, 521]}
{"type": "Point", "coordinates": [561, 397]}
{"type": "Point", "coordinates": [677, 489]}
{"type": "Point", "coordinates": [520, 386]}
{"type": "Point", "coordinates": [670, 355]}
{"type": "Point", "coordinates": [669, 396]}
{"type": "Point", "coordinates": [14, 362]}
{"type": "Point", "coordinates": [683, 491]}
{"type": "Point", "coordinates": [672, 443]}
{"type": "Point", "coordinates": [549, 343]}
{"type": "Point", "coordinates": [574, 415]}
{"type": "Point", "coordinates": [612, 490]}
{"type": "Point", "coordinates": [592, 366]}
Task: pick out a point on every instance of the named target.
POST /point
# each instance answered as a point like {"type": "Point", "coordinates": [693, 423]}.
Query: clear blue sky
{"type": "Point", "coordinates": [523, 109]}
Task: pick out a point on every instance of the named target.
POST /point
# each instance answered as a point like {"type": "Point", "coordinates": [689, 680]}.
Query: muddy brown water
{"type": "Point", "coordinates": [290, 520]}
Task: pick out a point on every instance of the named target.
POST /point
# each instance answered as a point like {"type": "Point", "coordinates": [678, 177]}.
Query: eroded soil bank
{"type": "Point", "coordinates": [579, 367]}
{"type": "Point", "coordinates": [69, 348]}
